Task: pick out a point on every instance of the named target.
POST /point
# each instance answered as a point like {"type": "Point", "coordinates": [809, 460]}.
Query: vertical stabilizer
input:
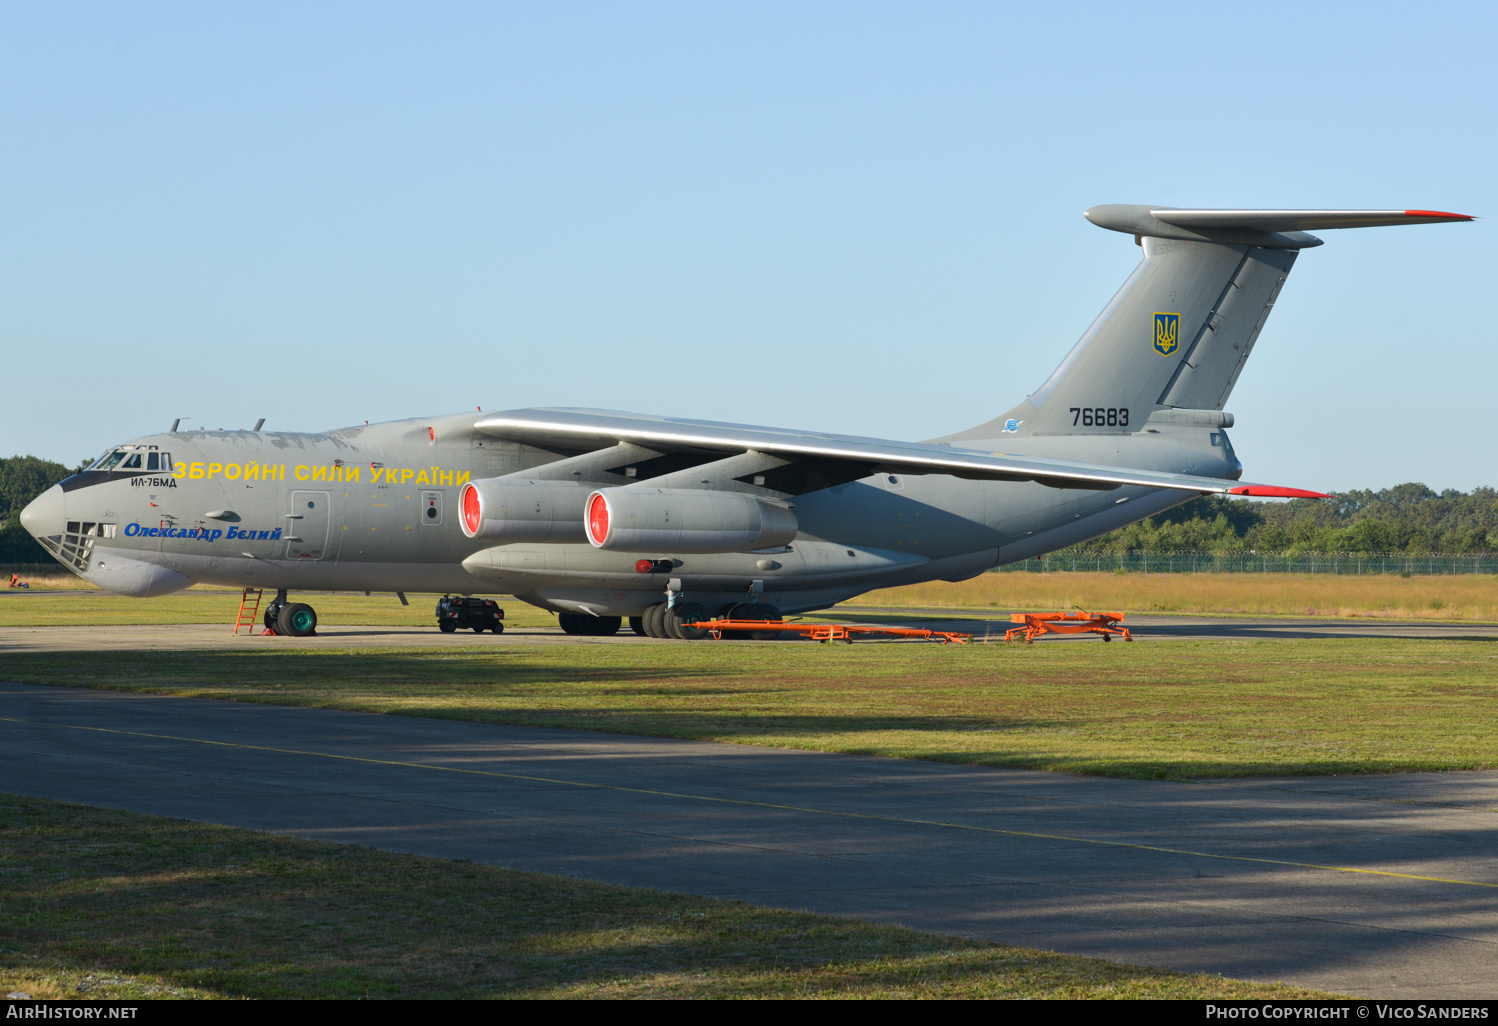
{"type": "Point", "coordinates": [1177, 334]}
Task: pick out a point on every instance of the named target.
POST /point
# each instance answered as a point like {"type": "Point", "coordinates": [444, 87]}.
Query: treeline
{"type": "Point", "coordinates": [1408, 518]}
{"type": "Point", "coordinates": [23, 478]}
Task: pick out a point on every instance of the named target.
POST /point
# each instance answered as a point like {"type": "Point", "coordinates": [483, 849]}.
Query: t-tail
{"type": "Point", "coordinates": [1170, 345]}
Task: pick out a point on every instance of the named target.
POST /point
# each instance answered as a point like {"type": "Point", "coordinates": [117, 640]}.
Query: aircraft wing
{"type": "Point", "coordinates": [584, 430]}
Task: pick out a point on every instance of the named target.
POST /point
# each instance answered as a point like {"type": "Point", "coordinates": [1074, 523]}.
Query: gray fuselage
{"type": "Point", "coordinates": [374, 508]}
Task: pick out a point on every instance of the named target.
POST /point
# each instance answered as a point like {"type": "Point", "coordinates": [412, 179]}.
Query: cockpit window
{"type": "Point", "coordinates": [143, 458]}
{"type": "Point", "coordinates": [109, 460]}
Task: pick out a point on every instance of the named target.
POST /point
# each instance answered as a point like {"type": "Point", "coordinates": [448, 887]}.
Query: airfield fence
{"type": "Point", "coordinates": [1428, 564]}
{"type": "Point", "coordinates": [28, 554]}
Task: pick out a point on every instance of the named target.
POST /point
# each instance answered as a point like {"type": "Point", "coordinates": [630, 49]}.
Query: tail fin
{"type": "Point", "coordinates": [1177, 334]}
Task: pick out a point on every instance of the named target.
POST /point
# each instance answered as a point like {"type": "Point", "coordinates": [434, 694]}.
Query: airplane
{"type": "Point", "coordinates": [599, 515]}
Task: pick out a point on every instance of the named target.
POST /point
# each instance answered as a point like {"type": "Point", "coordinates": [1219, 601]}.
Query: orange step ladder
{"type": "Point", "coordinates": [240, 619]}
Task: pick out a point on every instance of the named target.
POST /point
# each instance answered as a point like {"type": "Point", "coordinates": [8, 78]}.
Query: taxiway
{"type": "Point", "coordinates": [1382, 886]}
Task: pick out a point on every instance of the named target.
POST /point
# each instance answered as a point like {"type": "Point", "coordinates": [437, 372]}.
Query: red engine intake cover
{"type": "Point", "coordinates": [598, 519]}
{"type": "Point", "coordinates": [473, 516]}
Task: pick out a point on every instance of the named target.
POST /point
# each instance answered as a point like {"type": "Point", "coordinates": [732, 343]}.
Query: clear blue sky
{"type": "Point", "coordinates": [850, 216]}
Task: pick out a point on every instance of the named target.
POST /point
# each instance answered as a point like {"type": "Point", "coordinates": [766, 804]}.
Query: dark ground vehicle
{"type": "Point", "coordinates": [481, 614]}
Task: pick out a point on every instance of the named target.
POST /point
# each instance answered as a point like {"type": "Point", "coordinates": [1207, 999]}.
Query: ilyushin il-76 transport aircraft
{"type": "Point", "coordinates": [598, 515]}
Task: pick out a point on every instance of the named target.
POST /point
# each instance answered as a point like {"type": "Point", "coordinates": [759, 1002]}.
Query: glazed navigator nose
{"type": "Point", "coordinates": [45, 514]}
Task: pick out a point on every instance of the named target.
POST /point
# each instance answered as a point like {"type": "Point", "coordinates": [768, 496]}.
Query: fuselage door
{"type": "Point", "coordinates": [431, 509]}
{"type": "Point", "coordinates": [307, 525]}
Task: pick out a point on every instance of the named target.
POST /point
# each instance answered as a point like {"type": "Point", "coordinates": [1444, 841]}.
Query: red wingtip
{"type": "Point", "coordinates": [1275, 492]}
{"type": "Point", "coordinates": [1438, 213]}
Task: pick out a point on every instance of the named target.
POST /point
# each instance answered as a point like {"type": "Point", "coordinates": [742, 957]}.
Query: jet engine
{"type": "Point", "coordinates": [638, 518]}
{"type": "Point", "coordinates": [506, 510]}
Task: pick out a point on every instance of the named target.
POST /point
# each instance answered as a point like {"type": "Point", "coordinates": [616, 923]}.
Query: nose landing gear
{"type": "Point", "coordinates": [291, 619]}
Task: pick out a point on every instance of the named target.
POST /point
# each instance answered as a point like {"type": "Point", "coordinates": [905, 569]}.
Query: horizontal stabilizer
{"type": "Point", "coordinates": [1300, 220]}
{"type": "Point", "coordinates": [1276, 229]}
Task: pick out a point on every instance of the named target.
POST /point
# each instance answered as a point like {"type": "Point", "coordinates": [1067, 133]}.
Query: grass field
{"type": "Point", "coordinates": [61, 598]}
{"type": "Point", "coordinates": [1177, 710]}
{"type": "Point", "coordinates": [102, 904]}
{"type": "Point", "coordinates": [1458, 597]}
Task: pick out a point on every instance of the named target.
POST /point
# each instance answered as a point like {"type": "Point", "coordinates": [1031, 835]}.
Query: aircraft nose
{"type": "Point", "coordinates": [45, 514]}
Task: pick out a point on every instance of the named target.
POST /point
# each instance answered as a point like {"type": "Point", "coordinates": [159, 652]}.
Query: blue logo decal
{"type": "Point", "coordinates": [1167, 330]}
{"type": "Point", "coordinates": [1011, 424]}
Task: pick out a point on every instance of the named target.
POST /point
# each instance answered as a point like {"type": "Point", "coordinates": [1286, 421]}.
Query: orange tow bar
{"type": "Point", "coordinates": [825, 632]}
{"type": "Point", "coordinates": [1040, 624]}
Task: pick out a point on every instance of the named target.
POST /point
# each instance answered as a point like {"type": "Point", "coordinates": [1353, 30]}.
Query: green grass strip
{"type": "Point", "coordinates": [1176, 710]}
{"type": "Point", "coordinates": [97, 903]}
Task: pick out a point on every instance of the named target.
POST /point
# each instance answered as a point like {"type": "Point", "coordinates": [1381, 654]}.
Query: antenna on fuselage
{"type": "Point", "coordinates": [259, 423]}
{"type": "Point", "coordinates": [174, 425]}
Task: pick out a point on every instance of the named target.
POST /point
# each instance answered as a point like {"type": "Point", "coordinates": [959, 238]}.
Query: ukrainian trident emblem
{"type": "Point", "coordinates": [1167, 332]}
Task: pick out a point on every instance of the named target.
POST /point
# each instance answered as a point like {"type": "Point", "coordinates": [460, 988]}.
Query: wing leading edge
{"type": "Point", "coordinates": [592, 429]}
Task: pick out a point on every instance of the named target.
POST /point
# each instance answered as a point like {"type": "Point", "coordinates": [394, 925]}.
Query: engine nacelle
{"type": "Point", "coordinates": [638, 518]}
{"type": "Point", "coordinates": [523, 511]}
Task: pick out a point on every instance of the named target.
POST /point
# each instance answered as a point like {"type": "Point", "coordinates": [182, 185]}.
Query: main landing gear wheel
{"type": "Point", "coordinates": [751, 611]}
{"type": "Point", "coordinates": [764, 611]}
{"type": "Point", "coordinates": [637, 624]}
{"type": "Point", "coordinates": [297, 620]}
{"type": "Point", "coordinates": [652, 621]}
{"type": "Point", "coordinates": [590, 626]}
{"type": "Point", "coordinates": [675, 621]}
{"type": "Point", "coordinates": [734, 611]}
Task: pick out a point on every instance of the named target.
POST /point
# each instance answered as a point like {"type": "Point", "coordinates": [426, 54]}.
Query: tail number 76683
{"type": "Point", "coordinates": [1100, 416]}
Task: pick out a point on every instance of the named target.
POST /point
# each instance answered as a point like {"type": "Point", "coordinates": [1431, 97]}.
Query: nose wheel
{"type": "Point", "coordinates": [290, 619]}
